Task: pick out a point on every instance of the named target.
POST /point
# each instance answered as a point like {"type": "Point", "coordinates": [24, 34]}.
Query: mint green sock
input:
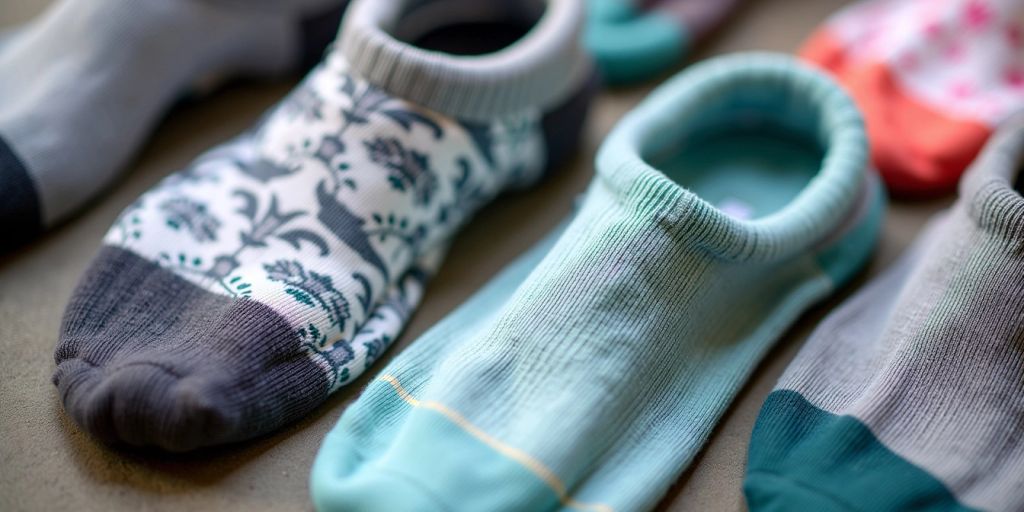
{"type": "Point", "coordinates": [728, 202]}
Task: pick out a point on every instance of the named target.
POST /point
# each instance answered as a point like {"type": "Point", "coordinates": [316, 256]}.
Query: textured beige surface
{"type": "Point", "coordinates": [47, 464]}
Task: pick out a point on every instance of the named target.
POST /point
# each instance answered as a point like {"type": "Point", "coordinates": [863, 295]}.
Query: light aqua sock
{"type": "Point", "coordinates": [590, 382]}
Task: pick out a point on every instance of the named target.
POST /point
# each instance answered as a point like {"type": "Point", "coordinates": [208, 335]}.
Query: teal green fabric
{"type": "Point", "coordinates": [804, 458]}
{"type": "Point", "coordinates": [631, 45]}
{"type": "Point", "coordinates": [589, 378]}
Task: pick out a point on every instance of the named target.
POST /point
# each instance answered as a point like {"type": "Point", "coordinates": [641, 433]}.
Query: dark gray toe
{"type": "Point", "coordinates": [148, 359]}
{"type": "Point", "coordinates": [19, 203]}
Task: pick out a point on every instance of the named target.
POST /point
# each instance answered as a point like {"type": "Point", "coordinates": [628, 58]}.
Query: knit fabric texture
{"type": "Point", "coordinates": [237, 294]}
{"type": "Point", "coordinates": [85, 83]}
{"type": "Point", "coordinates": [910, 396]}
{"type": "Point", "coordinates": [588, 378]}
{"type": "Point", "coordinates": [934, 80]}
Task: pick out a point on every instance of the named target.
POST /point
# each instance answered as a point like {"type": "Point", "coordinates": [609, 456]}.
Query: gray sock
{"type": "Point", "coordinates": [232, 298]}
{"type": "Point", "coordinates": [910, 396]}
{"type": "Point", "coordinates": [84, 84]}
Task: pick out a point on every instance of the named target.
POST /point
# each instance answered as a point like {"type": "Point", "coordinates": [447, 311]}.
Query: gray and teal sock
{"type": "Point", "coordinates": [911, 395]}
{"type": "Point", "coordinates": [84, 84]}
{"type": "Point", "coordinates": [635, 39]}
{"type": "Point", "coordinates": [235, 296]}
{"type": "Point", "coordinates": [727, 203]}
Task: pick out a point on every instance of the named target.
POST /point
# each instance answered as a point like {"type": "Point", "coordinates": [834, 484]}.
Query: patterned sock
{"type": "Point", "coordinates": [934, 79]}
{"type": "Point", "coordinates": [910, 395]}
{"type": "Point", "coordinates": [596, 382]}
{"type": "Point", "coordinates": [84, 84]}
{"type": "Point", "coordinates": [633, 40]}
{"type": "Point", "coordinates": [236, 295]}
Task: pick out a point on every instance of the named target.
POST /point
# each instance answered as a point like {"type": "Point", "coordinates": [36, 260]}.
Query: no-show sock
{"type": "Point", "coordinates": [596, 381]}
{"type": "Point", "coordinates": [934, 79]}
{"type": "Point", "coordinates": [85, 83]}
{"type": "Point", "coordinates": [236, 295]}
{"type": "Point", "coordinates": [910, 395]}
{"type": "Point", "coordinates": [634, 40]}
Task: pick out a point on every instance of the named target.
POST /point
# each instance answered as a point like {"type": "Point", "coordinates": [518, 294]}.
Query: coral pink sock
{"type": "Point", "coordinates": [933, 77]}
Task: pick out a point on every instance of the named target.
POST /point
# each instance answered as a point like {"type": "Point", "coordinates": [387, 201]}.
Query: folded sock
{"type": "Point", "coordinates": [910, 395]}
{"type": "Point", "coordinates": [934, 79]}
{"type": "Point", "coordinates": [84, 84]}
{"type": "Point", "coordinates": [596, 381]}
{"type": "Point", "coordinates": [635, 39]}
{"type": "Point", "coordinates": [235, 296]}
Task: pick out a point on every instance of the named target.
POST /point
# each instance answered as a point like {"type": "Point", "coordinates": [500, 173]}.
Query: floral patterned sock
{"type": "Point", "coordinates": [240, 292]}
{"type": "Point", "coordinates": [934, 80]}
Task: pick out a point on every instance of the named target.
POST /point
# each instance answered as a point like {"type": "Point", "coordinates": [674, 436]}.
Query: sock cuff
{"type": "Point", "coordinates": [988, 185]}
{"type": "Point", "coordinates": [539, 70]}
{"type": "Point", "coordinates": [732, 90]}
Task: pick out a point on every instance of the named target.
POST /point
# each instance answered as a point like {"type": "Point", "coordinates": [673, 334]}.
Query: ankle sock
{"type": "Point", "coordinates": [235, 296]}
{"type": "Point", "coordinates": [934, 79]}
{"type": "Point", "coordinates": [86, 82]}
{"type": "Point", "coordinates": [635, 39]}
{"type": "Point", "coordinates": [596, 381]}
{"type": "Point", "coordinates": [909, 396]}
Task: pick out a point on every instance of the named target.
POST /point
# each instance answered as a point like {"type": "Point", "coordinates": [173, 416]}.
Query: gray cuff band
{"type": "Point", "coordinates": [540, 70]}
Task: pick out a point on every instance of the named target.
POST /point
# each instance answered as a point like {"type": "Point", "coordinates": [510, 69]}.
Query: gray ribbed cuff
{"type": "Point", "coordinates": [538, 71]}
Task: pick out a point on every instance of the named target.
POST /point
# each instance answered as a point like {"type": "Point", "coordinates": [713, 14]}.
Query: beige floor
{"type": "Point", "coordinates": [47, 464]}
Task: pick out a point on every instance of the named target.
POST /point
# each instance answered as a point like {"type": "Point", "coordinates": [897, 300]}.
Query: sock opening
{"type": "Point", "coordinates": [749, 149]}
{"type": "Point", "coordinates": [457, 64]}
{"type": "Point", "coordinates": [476, 28]}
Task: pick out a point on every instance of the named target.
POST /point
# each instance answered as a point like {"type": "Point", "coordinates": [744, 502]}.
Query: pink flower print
{"type": "Point", "coordinates": [1014, 35]}
{"type": "Point", "coordinates": [933, 29]}
{"type": "Point", "coordinates": [954, 51]}
{"type": "Point", "coordinates": [908, 61]}
{"type": "Point", "coordinates": [977, 14]}
{"type": "Point", "coordinates": [961, 90]}
{"type": "Point", "coordinates": [1015, 77]}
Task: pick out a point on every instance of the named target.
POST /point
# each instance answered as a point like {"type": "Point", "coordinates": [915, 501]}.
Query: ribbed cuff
{"type": "Point", "coordinates": [987, 189]}
{"type": "Point", "coordinates": [776, 90]}
{"type": "Point", "coordinates": [538, 71]}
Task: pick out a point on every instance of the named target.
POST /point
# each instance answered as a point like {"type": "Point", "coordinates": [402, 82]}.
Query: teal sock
{"type": "Point", "coordinates": [910, 396]}
{"type": "Point", "coordinates": [594, 382]}
{"type": "Point", "coordinates": [634, 40]}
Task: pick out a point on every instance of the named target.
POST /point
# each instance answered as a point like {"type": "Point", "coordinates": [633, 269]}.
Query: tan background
{"type": "Point", "coordinates": [47, 464]}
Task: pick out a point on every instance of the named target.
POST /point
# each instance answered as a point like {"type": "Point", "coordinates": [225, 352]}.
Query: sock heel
{"type": "Point", "coordinates": [563, 126]}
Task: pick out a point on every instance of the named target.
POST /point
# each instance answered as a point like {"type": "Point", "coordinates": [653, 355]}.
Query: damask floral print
{"type": "Point", "coordinates": [319, 219]}
{"type": "Point", "coordinates": [192, 216]}
{"type": "Point", "coordinates": [410, 169]}
{"type": "Point", "coordinates": [310, 288]}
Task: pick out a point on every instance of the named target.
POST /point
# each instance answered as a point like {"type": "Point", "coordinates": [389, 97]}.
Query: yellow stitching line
{"type": "Point", "coordinates": [537, 467]}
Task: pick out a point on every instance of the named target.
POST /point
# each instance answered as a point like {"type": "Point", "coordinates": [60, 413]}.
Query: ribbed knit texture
{"type": "Point", "coordinates": [540, 71]}
{"type": "Point", "coordinates": [83, 85]}
{"type": "Point", "coordinates": [911, 394]}
{"type": "Point", "coordinates": [238, 293]}
{"type": "Point", "coordinates": [600, 377]}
